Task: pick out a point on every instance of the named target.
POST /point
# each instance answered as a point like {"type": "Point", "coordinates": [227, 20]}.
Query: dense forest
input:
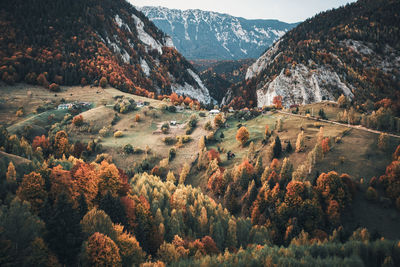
{"type": "Point", "coordinates": [69, 204]}
{"type": "Point", "coordinates": [327, 40]}
{"type": "Point", "coordinates": [79, 42]}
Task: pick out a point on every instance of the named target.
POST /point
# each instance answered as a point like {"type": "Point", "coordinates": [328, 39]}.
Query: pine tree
{"type": "Point", "coordinates": [252, 151]}
{"type": "Point", "coordinates": [113, 207]}
{"type": "Point", "coordinates": [286, 170]}
{"type": "Point", "coordinates": [82, 206]}
{"type": "Point", "coordinates": [64, 234]}
{"type": "Point", "coordinates": [277, 148]}
{"type": "Point", "coordinates": [20, 227]}
{"type": "Point", "coordinates": [289, 147]}
{"type": "Point", "coordinates": [300, 142]}
{"type": "Point", "coordinates": [320, 135]}
{"type": "Point", "coordinates": [171, 177]}
{"type": "Point", "coordinates": [11, 174]}
{"type": "Point", "coordinates": [184, 173]}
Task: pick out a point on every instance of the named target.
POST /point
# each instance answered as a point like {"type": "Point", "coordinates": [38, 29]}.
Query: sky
{"type": "Point", "coordinates": [284, 10]}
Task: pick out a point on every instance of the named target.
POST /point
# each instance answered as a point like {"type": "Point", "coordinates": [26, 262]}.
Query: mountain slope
{"type": "Point", "coordinates": [219, 76]}
{"type": "Point", "coordinates": [353, 50]}
{"type": "Point", "coordinates": [72, 42]}
{"type": "Point", "coordinates": [194, 32]}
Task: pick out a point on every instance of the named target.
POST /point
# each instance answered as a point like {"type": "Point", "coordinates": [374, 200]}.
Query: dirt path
{"type": "Point", "coordinates": [359, 127]}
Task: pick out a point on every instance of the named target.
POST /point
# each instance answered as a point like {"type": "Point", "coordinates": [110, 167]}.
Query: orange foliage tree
{"type": "Point", "coordinates": [86, 181]}
{"type": "Point", "coordinates": [61, 145]}
{"type": "Point", "coordinates": [109, 179]}
{"type": "Point", "coordinates": [100, 250]}
{"type": "Point", "coordinates": [242, 135]}
{"type": "Point", "coordinates": [78, 120]}
{"type": "Point", "coordinates": [33, 189]}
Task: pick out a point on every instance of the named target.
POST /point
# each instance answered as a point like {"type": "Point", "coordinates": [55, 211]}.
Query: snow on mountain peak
{"type": "Point", "coordinates": [194, 31]}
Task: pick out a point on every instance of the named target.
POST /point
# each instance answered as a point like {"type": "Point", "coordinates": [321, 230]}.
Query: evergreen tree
{"type": "Point", "coordinates": [277, 148]}
{"type": "Point", "coordinates": [64, 234]}
{"type": "Point", "coordinates": [113, 207]}
{"type": "Point", "coordinates": [20, 227]}
{"type": "Point", "coordinates": [289, 147]}
{"type": "Point", "coordinates": [82, 206]}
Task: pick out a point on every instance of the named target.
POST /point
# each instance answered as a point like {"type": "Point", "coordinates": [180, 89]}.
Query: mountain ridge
{"type": "Point", "coordinates": [232, 37]}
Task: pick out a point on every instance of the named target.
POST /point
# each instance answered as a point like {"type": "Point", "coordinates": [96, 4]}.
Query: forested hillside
{"type": "Point", "coordinates": [352, 50]}
{"type": "Point", "coordinates": [219, 76]}
{"type": "Point", "coordinates": [80, 42]}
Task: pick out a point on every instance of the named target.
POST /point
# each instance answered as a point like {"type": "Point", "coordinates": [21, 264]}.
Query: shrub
{"type": "Point", "coordinates": [165, 128]}
{"type": "Point", "coordinates": [184, 139]}
{"type": "Point", "coordinates": [208, 126]}
{"type": "Point", "coordinates": [20, 112]}
{"type": "Point", "coordinates": [137, 118]}
{"type": "Point", "coordinates": [138, 150]}
{"type": "Point", "coordinates": [77, 120]}
{"type": "Point", "coordinates": [54, 87]}
{"type": "Point", "coordinates": [169, 140]}
{"type": "Point", "coordinates": [103, 82]}
{"type": "Point", "coordinates": [193, 121]}
{"type": "Point", "coordinates": [42, 80]}
{"type": "Point", "coordinates": [371, 194]}
{"type": "Point", "coordinates": [128, 149]}
{"type": "Point", "coordinates": [172, 109]}
{"type": "Point", "coordinates": [115, 119]}
{"type": "Point", "coordinates": [105, 131]}
{"type": "Point", "coordinates": [171, 153]}
{"type": "Point", "coordinates": [118, 134]}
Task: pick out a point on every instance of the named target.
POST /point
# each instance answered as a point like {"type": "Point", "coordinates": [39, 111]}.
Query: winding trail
{"type": "Point", "coordinates": [359, 127]}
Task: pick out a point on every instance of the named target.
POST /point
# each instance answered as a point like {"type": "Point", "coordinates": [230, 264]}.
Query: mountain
{"type": "Point", "coordinates": [77, 42]}
{"type": "Point", "coordinates": [194, 32]}
{"type": "Point", "coordinates": [353, 50]}
{"type": "Point", "coordinates": [219, 76]}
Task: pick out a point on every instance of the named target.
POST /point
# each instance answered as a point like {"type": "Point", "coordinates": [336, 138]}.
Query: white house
{"type": "Point", "coordinates": [214, 112]}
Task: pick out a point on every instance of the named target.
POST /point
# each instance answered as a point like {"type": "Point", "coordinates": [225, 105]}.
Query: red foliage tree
{"type": "Point", "coordinates": [325, 145]}
{"type": "Point", "coordinates": [213, 154]}
{"type": "Point", "coordinates": [277, 101]}
{"type": "Point", "coordinates": [42, 142]}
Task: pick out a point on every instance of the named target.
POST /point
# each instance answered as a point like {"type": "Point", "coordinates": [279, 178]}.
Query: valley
{"type": "Point", "coordinates": [154, 136]}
